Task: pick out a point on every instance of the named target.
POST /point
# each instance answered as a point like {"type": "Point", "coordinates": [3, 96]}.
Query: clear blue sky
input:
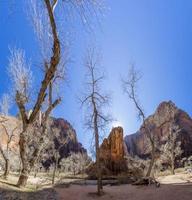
{"type": "Point", "coordinates": [154, 34]}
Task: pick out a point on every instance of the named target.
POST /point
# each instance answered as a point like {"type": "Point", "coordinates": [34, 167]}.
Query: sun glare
{"type": "Point", "coordinates": [117, 123]}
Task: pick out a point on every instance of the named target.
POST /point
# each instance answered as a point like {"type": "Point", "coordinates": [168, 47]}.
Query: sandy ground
{"type": "Point", "coordinates": [176, 179]}
{"type": "Point", "coordinates": [127, 192]}
{"type": "Point", "coordinates": [173, 187]}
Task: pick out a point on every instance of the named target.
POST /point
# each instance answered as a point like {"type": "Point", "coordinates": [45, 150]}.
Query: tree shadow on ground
{"type": "Point", "coordinates": [16, 194]}
{"type": "Point", "coordinates": [84, 192]}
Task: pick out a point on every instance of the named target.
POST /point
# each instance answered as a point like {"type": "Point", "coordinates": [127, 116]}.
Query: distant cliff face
{"type": "Point", "coordinates": [162, 120]}
{"type": "Point", "coordinates": [64, 130]}
{"type": "Point", "coordinates": [68, 132]}
{"type": "Point", "coordinates": [69, 143]}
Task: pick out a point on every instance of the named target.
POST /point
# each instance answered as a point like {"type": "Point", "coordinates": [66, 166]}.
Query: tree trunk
{"type": "Point", "coordinates": [7, 168]}
{"type": "Point", "coordinates": [173, 165]}
{"type": "Point", "coordinates": [172, 169]}
{"type": "Point", "coordinates": [25, 168]}
{"type": "Point", "coordinates": [27, 163]}
{"type": "Point", "coordinates": [98, 166]}
{"type": "Point", "coordinates": [36, 172]}
{"type": "Point", "coordinates": [151, 161]}
{"type": "Point", "coordinates": [74, 171]}
{"type": "Point", "coordinates": [22, 182]}
{"type": "Point", "coordinates": [7, 163]}
{"type": "Point", "coordinates": [55, 170]}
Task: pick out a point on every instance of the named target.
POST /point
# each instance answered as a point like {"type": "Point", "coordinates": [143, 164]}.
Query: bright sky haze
{"type": "Point", "coordinates": [154, 35]}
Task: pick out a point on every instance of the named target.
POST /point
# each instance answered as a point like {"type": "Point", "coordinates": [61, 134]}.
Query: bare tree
{"type": "Point", "coordinates": [75, 163]}
{"type": "Point", "coordinates": [130, 88]}
{"type": "Point", "coordinates": [172, 148]}
{"type": "Point", "coordinates": [83, 162]}
{"type": "Point", "coordinates": [28, 156]}
{"type": "Point", "coordinates": [61, 141]}
{"type": "Point", "coordinates": [10, 132]}
{"type": "Point", "coordinates": [34, 123]}
{"type": "Point", "coordinates": [95, 102]}
{"type": "Point", "coordinates": [53, 144]}
{"type": "Point", "coordinates": [20, 73]}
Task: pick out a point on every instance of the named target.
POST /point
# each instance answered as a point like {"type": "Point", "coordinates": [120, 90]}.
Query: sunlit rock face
{"type": "Point", "coordinates": [12, 126]}
{"type": "Point", "coordinates": [137, 144]}
{"type": "Point", "coordinates": [112, 151]}
{"type": "Point", "coordinates": [113, 155]}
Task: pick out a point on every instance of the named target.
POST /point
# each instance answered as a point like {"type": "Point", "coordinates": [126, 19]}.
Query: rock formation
{"type": "Point", "coordinates": [162, 120]}
{"type": "Point", "coordinates": [112, 151]}
{"type": "Point", "coordinates": [64, 130]}
{"type": "Point", "coordinates": [112, 155]}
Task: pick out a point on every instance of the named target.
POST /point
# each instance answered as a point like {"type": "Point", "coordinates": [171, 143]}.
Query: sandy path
{"type": "Point", "coordinates": [126, 192]}
{"type": "Point", "coordinates": [176, 179]}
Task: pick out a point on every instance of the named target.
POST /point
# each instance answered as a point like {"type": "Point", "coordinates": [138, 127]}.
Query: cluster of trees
{"type": "Point", "coordinates": [76, 163]}
{"type": "Point", "coordinates": [35, 106]}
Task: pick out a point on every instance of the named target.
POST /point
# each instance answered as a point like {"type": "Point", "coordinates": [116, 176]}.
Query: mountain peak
{"type": "Point", "coordinates": [166, 106]}
{"type": "Point", "coordinates": [165, 115]}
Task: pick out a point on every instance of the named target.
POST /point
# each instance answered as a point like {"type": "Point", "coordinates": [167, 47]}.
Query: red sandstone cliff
{"type": "Point", "coordinates": [162, 120]}
{"type": "Point", "coordinates": [112, 154]}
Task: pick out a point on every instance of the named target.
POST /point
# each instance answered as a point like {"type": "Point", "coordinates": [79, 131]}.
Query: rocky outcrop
{"type": "Point", "coordinates": [112, 155]}
{"type": "Point", "coordinates": [166, 114]}
{"type": "Point", "coordinates": [112, 151]}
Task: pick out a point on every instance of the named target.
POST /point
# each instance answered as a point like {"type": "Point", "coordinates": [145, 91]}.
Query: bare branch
{"type": "Point", "coordinates": [5, 104]}
{"type": "Point", "coordinates": [20, 74]}
{"type": "Point", "coordinates": [53, 64]}
{"type": "Point", "coordinates": [130, 88]}
{"type": "Point", "coordinates": [54, 4]}
{"type": "Point", "coordinates": [51, 107]}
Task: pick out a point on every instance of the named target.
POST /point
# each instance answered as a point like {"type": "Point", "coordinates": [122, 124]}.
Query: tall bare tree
{"type": "Point", "coordinates": [29, 157]}
{"type": "Point", "coordinates": [46, 21]}
{"type": "Point", "coordinates": [130, 88]}
{"type": "Point", "coordinates": [95, 101]}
